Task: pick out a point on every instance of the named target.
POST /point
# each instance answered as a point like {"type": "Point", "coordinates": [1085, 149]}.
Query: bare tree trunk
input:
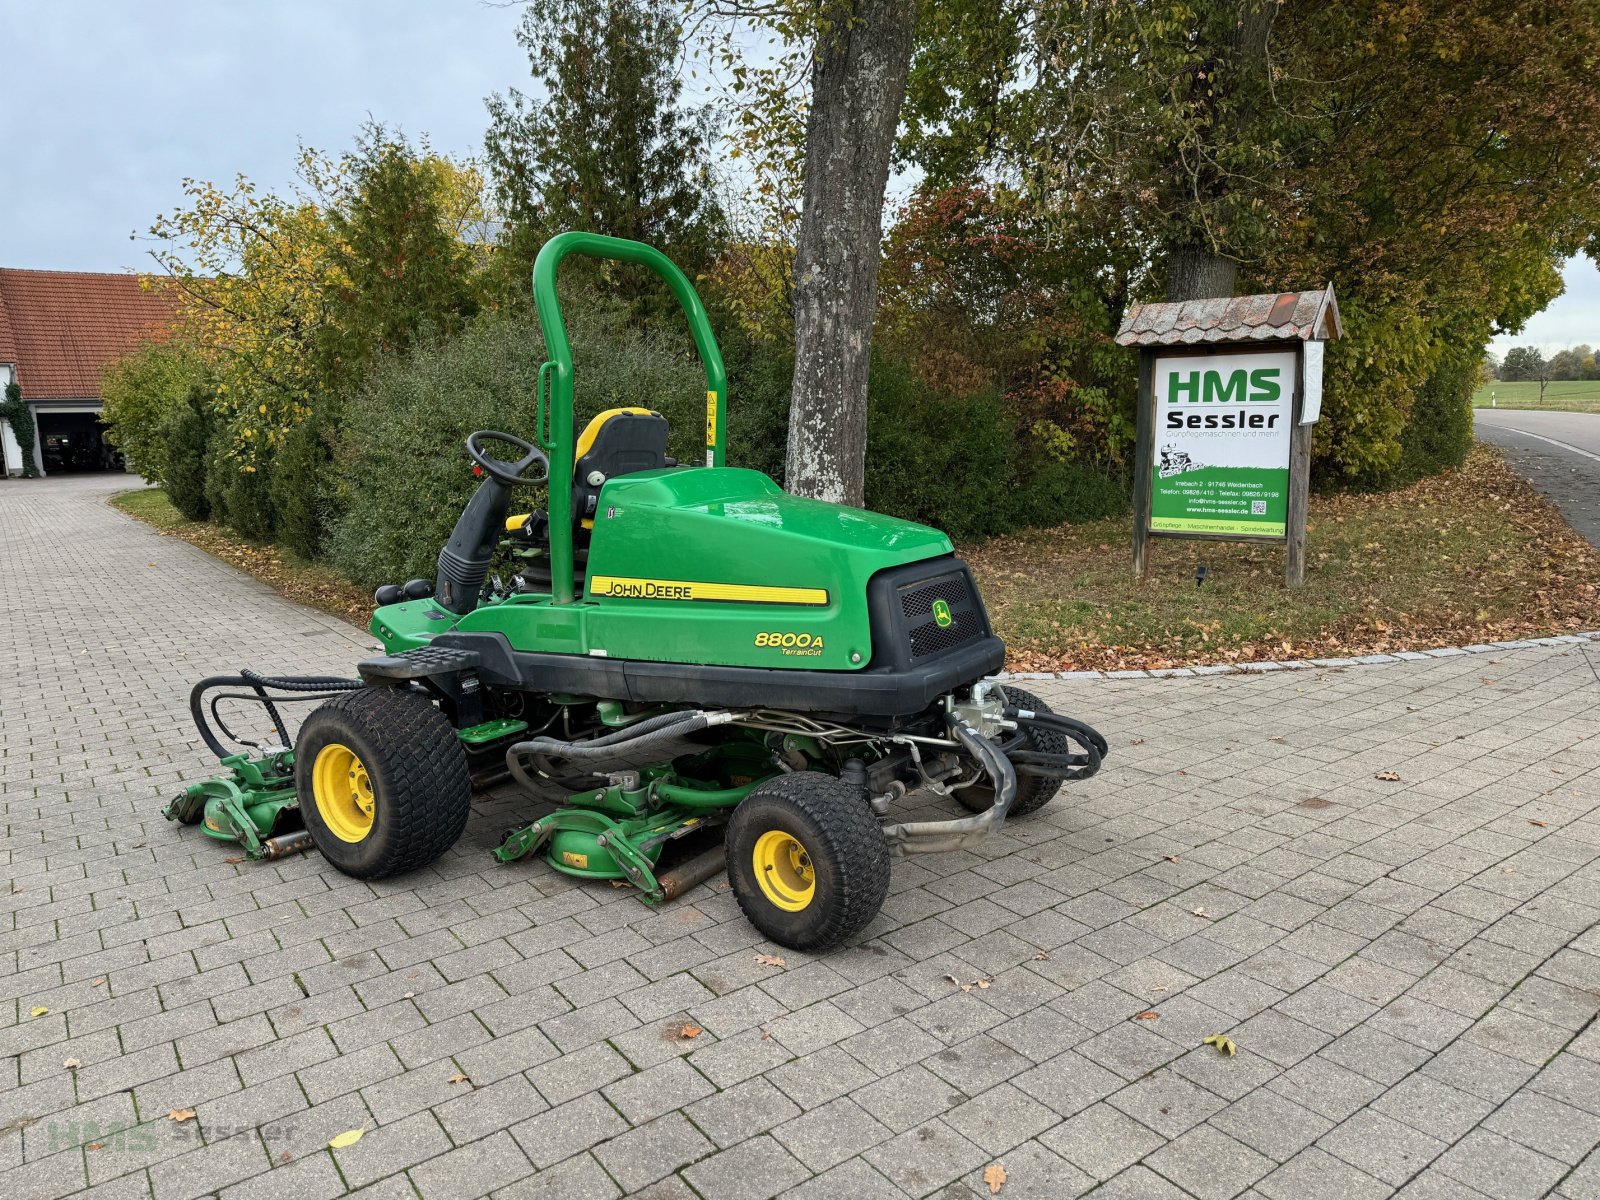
{"type": "Point", "coordinates": [1195, 273]}
{"type": "Point", "coordinates": [1195, 270]}
{"type": "Point", "coordinates": [858, 81]}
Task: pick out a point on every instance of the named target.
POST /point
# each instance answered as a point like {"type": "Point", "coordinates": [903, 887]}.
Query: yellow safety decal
{"type": "Point", "coordinates": [711, 418]}
{"type": "Point", "coordinates": [581, 861]}
{"type": "Point", "coordinates": [682, 589]}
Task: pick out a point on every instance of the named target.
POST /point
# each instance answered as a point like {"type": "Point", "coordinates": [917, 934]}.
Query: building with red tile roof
{"type": "Point", "coordinates": [58, 330]}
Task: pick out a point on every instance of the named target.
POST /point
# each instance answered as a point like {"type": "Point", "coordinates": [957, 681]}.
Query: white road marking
{"type": "Point", "coordinates": [1542, 438]}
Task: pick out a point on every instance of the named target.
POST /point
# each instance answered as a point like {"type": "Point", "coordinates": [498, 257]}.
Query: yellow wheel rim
{"type": "Point", "coordinates": [342, 792]}
{"type": "Point", "coordinates": [783, 869]}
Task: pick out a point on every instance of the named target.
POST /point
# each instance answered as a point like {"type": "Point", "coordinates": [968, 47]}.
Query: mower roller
{"type": "Point", "coordinates": [701, 670]}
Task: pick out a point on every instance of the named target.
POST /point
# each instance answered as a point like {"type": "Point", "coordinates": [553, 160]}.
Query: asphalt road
{"type": "Point", "coordinates": [1557, 452]}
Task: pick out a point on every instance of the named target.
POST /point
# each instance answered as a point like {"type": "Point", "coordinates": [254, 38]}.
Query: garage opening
{"type": "Point", "coordinates": [75, 441]}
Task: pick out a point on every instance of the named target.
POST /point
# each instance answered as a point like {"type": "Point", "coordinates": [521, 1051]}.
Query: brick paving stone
{"type": "Point", "coordinates": [1207, 1163]}
{"type": "Point", "coordinates": [1410, 972]}
{"type": "Point", "coordinates": [652, 1151]}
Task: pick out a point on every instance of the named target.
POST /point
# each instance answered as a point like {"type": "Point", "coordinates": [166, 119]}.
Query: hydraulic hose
{"type": "Point", "coordinates": [304, 687]}
{"type": "Point", "coordinates": [303, 683]}
{"type": "Point", "coordinates": [1085, 735]}
{"type": "Point", "coordinates": [931, 837]}
{"type": "Point", "coordinates": [649, 732]}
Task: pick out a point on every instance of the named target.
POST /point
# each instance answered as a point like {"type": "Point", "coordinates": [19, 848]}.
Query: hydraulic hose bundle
{"type": "Point", "coordinates": [301, 688]}
{"type": "Point", "coordinates": [1074, 765]}
{"type": "Point", "coordinates": [652, 731]}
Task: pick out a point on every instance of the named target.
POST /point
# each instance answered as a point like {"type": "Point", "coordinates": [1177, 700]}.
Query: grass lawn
{"type": "Point", "coordinates": [311, 584]}
{"type": "Point", "coordinates": [1562, 395]}
{"type": "Point", "coordinates": [1472, 556]}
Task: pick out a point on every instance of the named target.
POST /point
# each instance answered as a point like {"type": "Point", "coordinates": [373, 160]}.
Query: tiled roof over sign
{"type": "Point", "coordinates": [62, 327]}
{"type": "Point", "coordinates": [1272, 316]}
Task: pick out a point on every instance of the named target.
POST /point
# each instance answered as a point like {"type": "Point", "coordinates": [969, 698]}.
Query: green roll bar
{"type": "Point", "coordinates": [555, 378]}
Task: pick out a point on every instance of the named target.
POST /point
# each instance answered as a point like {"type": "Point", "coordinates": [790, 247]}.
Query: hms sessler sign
{"type": "Point", "coordinates": [1223, 427]}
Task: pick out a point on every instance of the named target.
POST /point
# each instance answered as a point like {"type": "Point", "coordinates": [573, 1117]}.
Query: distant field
{"type": "Point", "coordinates": [1566, 396]}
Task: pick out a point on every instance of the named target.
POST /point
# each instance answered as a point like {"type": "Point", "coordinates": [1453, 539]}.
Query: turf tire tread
{"type": "Point", "coordinates": [849, 833]}
{"type": "Point", "coordinates": [427, 789]}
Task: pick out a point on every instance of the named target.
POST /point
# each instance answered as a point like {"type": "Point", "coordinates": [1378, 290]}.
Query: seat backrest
{"type": "Point", "coordinates": [618, 441]}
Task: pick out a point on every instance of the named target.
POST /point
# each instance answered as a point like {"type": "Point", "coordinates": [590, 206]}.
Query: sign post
{"type": "Point", "coordinates": [1228, 392]}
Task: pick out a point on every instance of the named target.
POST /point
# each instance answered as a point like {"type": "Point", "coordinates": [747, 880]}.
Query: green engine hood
{"type": "Point", "coordinates": [712, 565]}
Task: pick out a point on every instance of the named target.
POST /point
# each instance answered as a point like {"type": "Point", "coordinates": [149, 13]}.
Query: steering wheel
{"type": "Point", "coordinates": [510, 473]}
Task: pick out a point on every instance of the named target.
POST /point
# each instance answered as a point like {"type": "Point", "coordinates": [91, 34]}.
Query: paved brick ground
{"type": "Point", "coordinates": [1410, 970]}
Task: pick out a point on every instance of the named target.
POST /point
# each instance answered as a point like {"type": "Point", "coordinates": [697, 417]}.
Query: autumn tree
{"type": "Point", "coordinates": [1569, 363]}
{"type": "Point", "coordinates": [400, 229]}
{"type": "Point", "coordinates": [1388, 147]}
{"type": "Point", "coordinates": [287, 296]}
{"type": "Point", "coordinates": [610, 149]}
{"type": "Point", "coordinates": [254, 276]}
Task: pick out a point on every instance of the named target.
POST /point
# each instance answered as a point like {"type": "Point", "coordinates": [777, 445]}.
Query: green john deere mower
{"type": "Point", "coordinates": [700, 669]}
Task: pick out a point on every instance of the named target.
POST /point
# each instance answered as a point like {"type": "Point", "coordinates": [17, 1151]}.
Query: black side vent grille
{"type": "Point", "coordinates": [940, 614]}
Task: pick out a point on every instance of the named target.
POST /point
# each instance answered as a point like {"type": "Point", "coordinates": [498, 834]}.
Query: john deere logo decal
{"type": "Point", "coordinates": [941, 614]}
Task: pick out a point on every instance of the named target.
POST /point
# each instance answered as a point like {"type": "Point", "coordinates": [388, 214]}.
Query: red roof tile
{"type": "Point", "coordinates": [61, 327]}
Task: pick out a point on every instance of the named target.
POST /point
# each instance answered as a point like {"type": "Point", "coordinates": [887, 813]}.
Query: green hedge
{"type": "Point", "coordinates": [181, 447]}
{"type": "Point", "coordinates": [1438, 435]}
{"type": "Point", "coordinates": [955, 463]}
{"type": "Point", "coordinates": [962, 465]}
{"type": "Point", "coordinates": [403, 475]}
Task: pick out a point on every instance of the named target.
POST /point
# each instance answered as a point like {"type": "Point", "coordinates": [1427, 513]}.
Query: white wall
{"type": "Point", "coordinates": [8, 443]}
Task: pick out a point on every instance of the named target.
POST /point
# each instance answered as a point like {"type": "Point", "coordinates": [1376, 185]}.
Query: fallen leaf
{"type": "Point", "coordinates": [1158, 987]}
{"type": "Point", "coordinates": [137, 846]}
{"type": "Point", "coordinates": [1170, 857]}
{"type": "Point", "coordinates": [71, 1064]}
{"type": "Point", "coordinates": [411, 974]}
{"type": "Point", "coordinates": [37, 1011]}
{"type": "Point", "coordinates": [408, 996]}
{"type": "Point", "coordinates": [181, 1115]}
{"type": "Point", "coordinates": [234, 858]}
{"type": "Point", "coordinates": [1137, 742]}
{"type": "Point", "coordinates": [771, 960]}
{"type": "Point", "coordinates": [1275, 739]}
{"type": "Point", "coordinates": [687, 1031]}
{"type": "Point", "coordinates": [983, 984]}
{"type": "Point", "coordinates": [348, 1138]}
{"type": "Point", "coordinates": [1540, 824]}
{"type": "Point", "coordinates": [1200, 912]}
{"type": "Point", "coordinates": [1147, 1015]}
{"type": "Point", "coordinates": [994, 1178]}
{"type": "Point", "coordinates": [285, 1157]}
{"type": "Point", "coordinates": [99, 982]}
{"type": "Point", "coordinates": [1042, 956]}
{"type": "Point", "coordinates": [458, 1077]}
{"type": "Point", "coordinates": [1387, 776]}
{"type": "Point", "coordinates": [766, 1035]}
{"type": "Point", "coordinates": [1222, 1042]}
{"type": "Point", "coordinates": [95, 1146]}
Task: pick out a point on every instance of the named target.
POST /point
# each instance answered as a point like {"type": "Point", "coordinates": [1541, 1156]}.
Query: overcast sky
{"type": "Point", "coordinates": [106, 105]}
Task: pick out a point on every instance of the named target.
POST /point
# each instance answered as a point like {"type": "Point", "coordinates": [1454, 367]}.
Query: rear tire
{"type": "Point", "coordinates": [383, 781]}
{"type": "Point", "coordinates": [1033, 791]}
{"type": "Point", "coordinates": [807, 860]}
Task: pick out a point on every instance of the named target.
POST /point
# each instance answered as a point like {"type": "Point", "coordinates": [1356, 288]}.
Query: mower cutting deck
{"type": "Point", "coordinates": [680, 657]}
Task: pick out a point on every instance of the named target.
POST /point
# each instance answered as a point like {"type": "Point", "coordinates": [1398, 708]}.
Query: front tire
{"type": "Point", "coordinates": [383, 782]}
{"type": "Point", "coordinates": [807, 860]}
{"type": "Point", "coordinates": [1033, 791]}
